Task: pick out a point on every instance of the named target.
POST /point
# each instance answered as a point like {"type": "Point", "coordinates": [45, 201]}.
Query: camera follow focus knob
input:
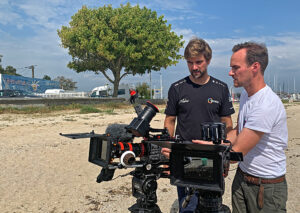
{"type": "Point", "coordinates": [127, 158]}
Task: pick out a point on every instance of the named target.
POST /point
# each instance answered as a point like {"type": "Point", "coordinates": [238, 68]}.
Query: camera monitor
{"type": "Point", "coordinates": [198, 166]}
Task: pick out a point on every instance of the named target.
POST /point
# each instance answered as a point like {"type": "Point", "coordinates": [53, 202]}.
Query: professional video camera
{"type": "Point", "coordinates": [200, 168]}
{"type": "Point", "coordinates": [117, 143]}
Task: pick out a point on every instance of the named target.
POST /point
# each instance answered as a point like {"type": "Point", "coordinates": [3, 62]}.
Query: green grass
{"type": "Point", "coordinates": [107, 108]}
{"type": "Point", "coordinates": [114, 105]}
{"type": "Point", "coordinates": [109, 111]}
{"type": "Point", "coordinates": [89, 109]}
{"type": "Point", "coordinates": [285, 101]}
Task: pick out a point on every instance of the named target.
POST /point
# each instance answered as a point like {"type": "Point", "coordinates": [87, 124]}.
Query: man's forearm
{"type": "Point", "coordinates": [170, 128]}
{"type": "Point", "coordinates": [170, 125]}
{"type": "Point", "coordinates": [232, 135]}
{"type": "Point", "coordinates": [228, 121]}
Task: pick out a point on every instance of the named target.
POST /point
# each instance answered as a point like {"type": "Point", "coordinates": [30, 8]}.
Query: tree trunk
{"type": "Point", "coordinates": [116, 87]}
{"type": "Point", "coordinates": [116, 73]}
{"type": "Point", "coordinates": [116, 70]}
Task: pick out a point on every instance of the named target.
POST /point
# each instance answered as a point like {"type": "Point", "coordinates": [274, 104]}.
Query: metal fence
{"type": "Point", "coordinates": [64, 95]}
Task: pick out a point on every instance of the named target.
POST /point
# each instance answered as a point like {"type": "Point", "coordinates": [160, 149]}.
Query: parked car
{"type": "Point", "coordinates": [107, 91]}
{"type": "Point", "coordinates": [54, 91]}
{"type": "Point", "coordinates": [8, 93]}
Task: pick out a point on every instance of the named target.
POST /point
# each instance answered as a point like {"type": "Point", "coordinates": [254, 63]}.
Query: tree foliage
{"type": "Point", "coordinates": [66, 83]}
{"type": "Point", "coordinates": [119, 41]}
{"type": "Point", "coordinates": [47, 77]}
{"type": "Point", "coordinates": [143, 90]}
{"type": "Point", "coordinates": [10, 70]}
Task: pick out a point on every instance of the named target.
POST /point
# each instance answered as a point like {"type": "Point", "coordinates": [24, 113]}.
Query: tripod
{"type": "Point", "coordinates": [208, 201]}
{"type": "Point", "coordinates": [144, 189]}
{"type": "Point", "coordinates": [211, 202]}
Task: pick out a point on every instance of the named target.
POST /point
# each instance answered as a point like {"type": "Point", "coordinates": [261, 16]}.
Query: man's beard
{"type": "Point", "coordinates": [198, 74]}
{"type": "Point", "coordinates": [237, 83]}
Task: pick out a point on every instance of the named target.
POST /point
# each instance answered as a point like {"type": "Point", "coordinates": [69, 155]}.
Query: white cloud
{"type": "Point", "coordinates": [175, 18]}
{"type": "Point", "coordinates": [170, 4]}
{"type": "Point", "coordinates": [186, 33]}
{"type": "Point", "coordinates": [7, 15]}
{"type": "Point", "coordinates": [258, 27]}
{"type": "Point", "coordinates": [285, 54]}
{"type": "Point", "coordinates": [238, 31]}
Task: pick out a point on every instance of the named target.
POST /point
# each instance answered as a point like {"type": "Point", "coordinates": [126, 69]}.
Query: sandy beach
{"type": "Point", "coordinates": [41, 171]}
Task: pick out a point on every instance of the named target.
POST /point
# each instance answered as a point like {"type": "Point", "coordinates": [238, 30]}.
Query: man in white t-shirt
{"type": "Point", "coordinates": [261, 135]}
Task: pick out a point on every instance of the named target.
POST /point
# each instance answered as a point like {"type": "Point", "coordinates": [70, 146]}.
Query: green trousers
{"type": "Point", "coordinates": [245, 195]}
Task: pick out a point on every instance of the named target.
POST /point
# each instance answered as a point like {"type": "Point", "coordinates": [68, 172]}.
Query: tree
{"type": "Point", "coordinates": [119, 41]}
{"type": "Point", "coordinates": [143, 90]}
{"type": "Point", "coordinates": [47, 77]}
{"type": "Point", "coordinates": [66, 83]}
{"type": "Point", "coordinates": [1, 68]}
{"type": "Point", "coordinates": [9, 70]}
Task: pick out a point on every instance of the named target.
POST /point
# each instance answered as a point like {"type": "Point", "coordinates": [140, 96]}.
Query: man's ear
{"type": "Point", "coordinates": [208, 61]}
{"type": "Point", "coordinates": [256, 67]}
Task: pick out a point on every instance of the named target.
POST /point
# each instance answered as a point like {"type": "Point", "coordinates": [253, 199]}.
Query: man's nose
{"type": "Point", "coordinates": [195, 66]}
{"type": "Point", "coordinates": [231, 73]}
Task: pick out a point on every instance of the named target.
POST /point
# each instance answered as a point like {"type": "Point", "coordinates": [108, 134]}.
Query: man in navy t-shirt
{"type": "Point", "coordinates": [196, 99]}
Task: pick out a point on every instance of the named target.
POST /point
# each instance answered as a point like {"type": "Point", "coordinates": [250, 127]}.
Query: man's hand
{"type": "Point", "coordinates": [203, 142]}
{"type": "Point", "coordinates": [166, 152]}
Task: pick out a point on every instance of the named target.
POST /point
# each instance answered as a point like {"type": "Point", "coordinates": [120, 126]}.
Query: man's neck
{"type": "Point", "coordinates": [201, 81]}
{"type": "Point", "coordinates": [254, 88]}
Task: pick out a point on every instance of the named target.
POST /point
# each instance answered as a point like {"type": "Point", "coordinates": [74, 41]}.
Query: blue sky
{"type": "Point", "coordinates": [28, 36]}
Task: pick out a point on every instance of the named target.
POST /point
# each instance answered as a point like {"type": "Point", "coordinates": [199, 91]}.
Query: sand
{"type": "Point", "coordinates": [41, 171]}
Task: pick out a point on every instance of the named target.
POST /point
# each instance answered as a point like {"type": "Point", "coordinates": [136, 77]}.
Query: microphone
{"type": "Point", "coordinates": [117, 132]}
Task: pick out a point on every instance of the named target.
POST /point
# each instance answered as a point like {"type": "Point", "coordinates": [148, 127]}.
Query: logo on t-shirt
{"type": "Point", "coordinates": [219, 83]}
{"type": "Point", "coordinates": [184, 100]}
{"type": "Point", "coordinates": [210, 101]}
{"type": "Point", "coordinates": [180, 82]}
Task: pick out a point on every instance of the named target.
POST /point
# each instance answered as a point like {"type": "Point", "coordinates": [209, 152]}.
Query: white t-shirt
{"type": "Point", "coordinates": [264, 112]}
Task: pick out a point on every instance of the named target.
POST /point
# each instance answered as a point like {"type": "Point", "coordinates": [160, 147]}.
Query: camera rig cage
{"type": "Point", "coordinates": [201, 168]}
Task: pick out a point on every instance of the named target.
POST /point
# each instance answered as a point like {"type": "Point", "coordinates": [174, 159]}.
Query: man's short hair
{"type": "Point", "coordinates": [197, 47]}
{"type": "Point", "coordinates": [256, 52]}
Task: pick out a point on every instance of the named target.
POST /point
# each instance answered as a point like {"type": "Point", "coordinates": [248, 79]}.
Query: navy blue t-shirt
{"type": "Point", "coordinates": [194, 104]}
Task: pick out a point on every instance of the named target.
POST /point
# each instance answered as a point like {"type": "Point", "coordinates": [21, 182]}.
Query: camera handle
{"type": "Point", "coordinates": [106, 174]}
